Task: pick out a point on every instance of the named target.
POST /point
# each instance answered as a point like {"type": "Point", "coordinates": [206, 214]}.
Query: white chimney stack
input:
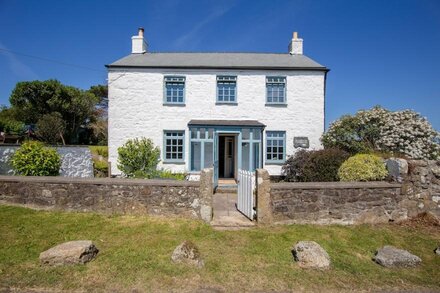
{"type": "Point", "coordinates": [296, 45]}
{"type": "Point", "coordinates": [138, 43]}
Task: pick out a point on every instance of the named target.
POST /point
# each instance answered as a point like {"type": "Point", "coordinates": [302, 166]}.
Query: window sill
{"type": "Point", "coordinates": [173, 105]}
{"type": "Point", "coordinates": [274, 162]}
{"type": "Point", "coordinates": [275, 105]}
{"type": "Point", "coordinates": [174, 162]}
{"type": "Point", "coordinates": [226, 103]}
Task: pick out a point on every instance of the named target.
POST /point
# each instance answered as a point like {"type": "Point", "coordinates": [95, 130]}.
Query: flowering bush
{"type": "Point", "coordinates": [401, 132]}
{"type": "Point", "coordinates": [363, 167]}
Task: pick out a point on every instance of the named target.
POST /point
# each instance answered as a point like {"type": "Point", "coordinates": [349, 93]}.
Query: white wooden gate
{"type": "Point", "coordinates": [246, 187]}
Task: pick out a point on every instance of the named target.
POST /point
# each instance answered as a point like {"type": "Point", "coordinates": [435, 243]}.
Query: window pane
{"type": "Point", "coordinates": [209, 155]}
{"type": "Point", "coordinates": [245, 133]}
{"type": "Point", "coordinates": [202, 133]}
{"type": "Point", "coordinates": [256, 156]}
{"type": "Point", "coordinates": [275, 141]}
{"type": "Point", "coordinates": [245, 156]}
{"type": "Point", "coordinates": [195, 156]}
{"type": "Point", "coordinates": [256, 133]}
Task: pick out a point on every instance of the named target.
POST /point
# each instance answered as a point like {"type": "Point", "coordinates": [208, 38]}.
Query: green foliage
{"type": "Point", "coordinates": [314, 166]}
{"type": "Point", "coordinates": [99, 150]}
{"type": "Point", "coordinates": [138, 156]}
{"type": "Point", "coordinates": [51, 128]}
{"type": "Point", "coordinates": [8, 123]}
{"type": "Point", "coordinates": [34, 159]}
{"type": "Point", "coordinates": [349, 133]}
{"type": "Point", "coordinates": [159, 174]}
{"type": "Point", "coordinates": [31, 100]}
{"type": "Point", "coordinates": [363, 167]}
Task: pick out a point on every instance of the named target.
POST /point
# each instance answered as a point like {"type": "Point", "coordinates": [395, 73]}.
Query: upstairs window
{"type": "Point", "coordinates": [275, 147]}
{"type": "Point", "coordinates": [175, 90]}
{"type": "Point", "coordinates": [275, 90]}
{"type": "Point", "coordinates": [226, 89]}
{"type": "Point", "coordinates": [174, 146]}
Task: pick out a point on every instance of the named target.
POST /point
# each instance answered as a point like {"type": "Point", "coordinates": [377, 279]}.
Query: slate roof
{"type": "Point", "coordinates": [249, 123]}
{"type": "Point", "coordinates": [282, 61]}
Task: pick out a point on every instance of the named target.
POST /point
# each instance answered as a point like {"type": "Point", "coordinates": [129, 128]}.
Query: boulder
{"type": "Point", "coordinates": [437, 250]}
{"type": "Point", "coordinates": [310, 254]}
{"type": "Point", "coordinates": [188, 253]}
{"type": "Point", "coordinates": [397, 168]}
{"type": "Point", "coordinates": [72, 252]}
{"type": "Point", "coordinates": [392, 257]}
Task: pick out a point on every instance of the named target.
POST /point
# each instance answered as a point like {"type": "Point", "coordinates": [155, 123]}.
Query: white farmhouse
{"type": "Point", "coordinates": [229, 111]}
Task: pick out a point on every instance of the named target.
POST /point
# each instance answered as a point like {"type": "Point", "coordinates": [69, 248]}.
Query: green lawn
{"type": "Point", "coordinates": [135, 254]}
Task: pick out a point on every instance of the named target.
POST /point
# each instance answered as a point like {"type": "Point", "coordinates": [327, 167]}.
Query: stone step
{"type": "Point", "coordinates": [232, 222]}
{"type": "Point", "coordinates": [226, 189]}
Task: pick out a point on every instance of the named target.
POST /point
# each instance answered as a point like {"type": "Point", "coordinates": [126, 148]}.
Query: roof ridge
{"type": "Point", "coordinates": [224, 52]}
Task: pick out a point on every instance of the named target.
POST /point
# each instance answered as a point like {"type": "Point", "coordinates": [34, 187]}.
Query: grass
{"type": "Point", "coordinates": [135, 255]}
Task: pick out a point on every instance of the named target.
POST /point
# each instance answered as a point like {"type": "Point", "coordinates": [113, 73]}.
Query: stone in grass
{"type": "Point", "coordinates": [68, 253]}
{"type": "Point", "coordinates": [437, 250]}
{"type": "Point", "coordinates": [188, 253]}
{"type": "Point", "coordinates": [310, 254]}
{"type": "Point", "coordinates": [392, 257]}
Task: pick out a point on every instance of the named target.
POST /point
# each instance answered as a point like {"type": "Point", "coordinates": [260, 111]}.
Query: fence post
{"type": "Point", "coordinates": [264, 207]}
{"type": "Point", "coordinates": [206, 193]}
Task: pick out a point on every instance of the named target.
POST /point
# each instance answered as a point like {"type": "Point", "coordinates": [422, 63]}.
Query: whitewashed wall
{"type": "Point", "coordinates": [136, 106]}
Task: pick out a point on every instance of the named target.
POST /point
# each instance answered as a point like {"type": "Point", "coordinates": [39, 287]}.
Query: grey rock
{"type": "Point", "coordinates": [72, 252]}
{"type": "Point", "coordinates": [397, 168]}
{"type": "Point", "coordinates": [436, 171]}
{"type": "Point", "coordinates": [310, 254]}
{"type": "Point", "coordinates": [391, 257]}
{"type": "Point", "coordinates": [188, 253]}
{"type": "Point", "coordinates": [437, 250]}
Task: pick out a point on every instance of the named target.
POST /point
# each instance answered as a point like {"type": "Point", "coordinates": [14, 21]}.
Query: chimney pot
{"type": "Point", "coordinates": [141, 32]}
{"type": "Point", "coordinates": [295, 35]}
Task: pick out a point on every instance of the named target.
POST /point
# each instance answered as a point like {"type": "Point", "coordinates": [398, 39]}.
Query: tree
{"type": "Point", "coordinates": [99, 121]}
{"type": "Point", "coordinates": [400, 132]}
{"type": "Point", "coordinates": [8, 122]}
{"type": "Point", "coordinates": [31, 100]}
{"type": "Point", "coordinates": [51, 128]}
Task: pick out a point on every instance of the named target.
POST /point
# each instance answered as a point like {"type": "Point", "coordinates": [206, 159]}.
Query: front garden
{"type": "Point", "coordinates": [135, 254]}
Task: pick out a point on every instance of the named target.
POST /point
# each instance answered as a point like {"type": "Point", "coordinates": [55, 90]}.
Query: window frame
{"type": "Point", "coordinates": [206, 139]}
{"type": "Point", "coordinates": [226, 78]}
{"type": "Point", "coordinates": [175, 79]}
{"type": "Point", "coordinates": [268, 82]}
{"type": "Point", "coordinates": [271, 161]}
{"type": "Point", "coordinates": [164, 151]}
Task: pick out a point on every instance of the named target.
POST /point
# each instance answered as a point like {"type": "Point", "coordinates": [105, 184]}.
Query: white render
{"type": "Point", "coordinates": [136, 107]}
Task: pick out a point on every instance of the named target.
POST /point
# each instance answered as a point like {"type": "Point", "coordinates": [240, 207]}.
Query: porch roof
{"type": "Point", "coordinates": [241, 123]}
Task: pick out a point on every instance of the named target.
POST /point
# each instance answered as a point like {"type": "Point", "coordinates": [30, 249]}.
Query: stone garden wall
{"type": "Point", "coordinates": [76, 161]}
{"type": "Point", "coordinates": [414, 189]}
{"type": "Point", "coordinates": [109, 195]}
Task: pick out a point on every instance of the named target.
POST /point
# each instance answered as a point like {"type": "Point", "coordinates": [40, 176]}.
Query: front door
{"type": "Point", "coordinates": [229, 157]}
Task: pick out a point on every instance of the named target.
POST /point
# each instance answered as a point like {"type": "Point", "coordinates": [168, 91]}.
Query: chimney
{"type": "Point", "coordinates": [139, 45]}
{"type": "Point", "coordinates": [296, 45]}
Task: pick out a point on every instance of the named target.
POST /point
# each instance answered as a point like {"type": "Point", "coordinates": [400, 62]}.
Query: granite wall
{"type": "Point", "coordinates": [76, 161]}
{"type": "Point", "coordinates": [414, 189]}
{"type": "Point", "coordinates": [110, 195]}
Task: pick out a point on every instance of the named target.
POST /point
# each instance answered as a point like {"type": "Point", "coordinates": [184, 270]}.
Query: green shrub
{"type": "Point", "coordinates": [34, 159]}
{"type": "Point", "coordinates": [314, 166]}
{"type": "Point", "coordinates": [363, 167]}
{"type": "Point", "coordinates": [138, 156]}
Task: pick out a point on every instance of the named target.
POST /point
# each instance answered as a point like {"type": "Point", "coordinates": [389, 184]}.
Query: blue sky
{"type": "Point", "coordinates": [379, 52]}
